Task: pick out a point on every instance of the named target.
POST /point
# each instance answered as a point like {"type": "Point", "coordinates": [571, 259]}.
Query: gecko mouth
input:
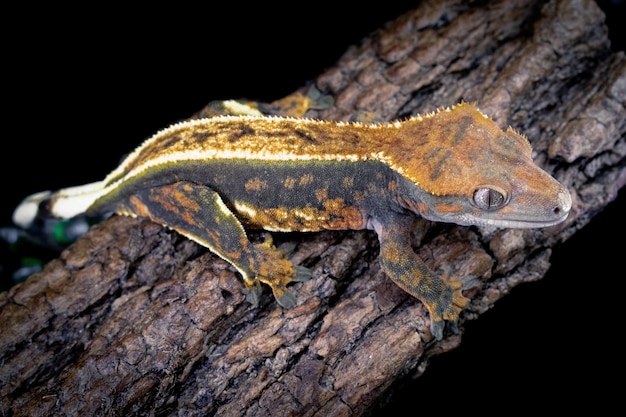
{"type": "Point", "coordinates": [522, 224]}
{"type": "Point", "coordinates": [557, 215]}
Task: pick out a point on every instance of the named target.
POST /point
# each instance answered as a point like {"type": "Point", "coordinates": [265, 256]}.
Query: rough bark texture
{"type": "Point", "coordinates": [134, 319]}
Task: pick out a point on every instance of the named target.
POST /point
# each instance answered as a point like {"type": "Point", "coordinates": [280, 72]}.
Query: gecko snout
{"type": "Point", "coordinates": [564, 204]}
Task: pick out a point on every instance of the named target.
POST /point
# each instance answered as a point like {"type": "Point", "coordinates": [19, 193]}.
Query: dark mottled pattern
{"type": "Point", "coordinates": [313, 184]}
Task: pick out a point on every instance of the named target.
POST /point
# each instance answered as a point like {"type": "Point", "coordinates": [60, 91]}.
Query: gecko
{"type": "Point", "coordinates": [214, 178]}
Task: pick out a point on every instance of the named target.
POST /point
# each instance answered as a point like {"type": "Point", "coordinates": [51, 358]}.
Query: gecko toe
{"type": "Point", "coordinates": [253, 293]}
{"type": "Point", "coordinates": [469, 282]}
{"type": "Point", "coordinates": [302, 274]}
{"type": "Point", "coordinates": [285, 298]}
{"type": "Point", "coordinates": [287, 249]}
{"type": "Point", "coordinates": [436, 328]}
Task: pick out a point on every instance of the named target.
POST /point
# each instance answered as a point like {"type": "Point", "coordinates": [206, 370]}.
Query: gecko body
{"type": "Point", "coordinates": [211, 179]}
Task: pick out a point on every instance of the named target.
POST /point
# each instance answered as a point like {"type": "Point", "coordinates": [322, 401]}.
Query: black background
{"type": "Point", "coordinates": [84, 87]}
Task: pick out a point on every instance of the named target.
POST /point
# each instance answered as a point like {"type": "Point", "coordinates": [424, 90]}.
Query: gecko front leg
{"type": "Point", "coordinates": [199, 213]}
{"type": "Point", "coordinates": [440, 294]}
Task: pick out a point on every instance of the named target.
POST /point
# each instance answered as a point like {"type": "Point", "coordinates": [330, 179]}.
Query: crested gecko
{"type": "Point", "coordinates": [210, 179]}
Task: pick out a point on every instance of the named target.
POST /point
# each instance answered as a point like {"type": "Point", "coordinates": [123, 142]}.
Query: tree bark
{"type": "Point", "coordinates": [134, 319]}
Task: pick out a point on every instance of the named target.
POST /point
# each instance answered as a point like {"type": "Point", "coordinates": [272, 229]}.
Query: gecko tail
{"type": "Point", "coordinates": [28, 210]}
{"type": "Point", "coordinates": [62, 204]}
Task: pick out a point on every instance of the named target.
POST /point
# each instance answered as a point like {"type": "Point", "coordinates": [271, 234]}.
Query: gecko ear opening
{"type": "Point", "coordinates": [488, 198]}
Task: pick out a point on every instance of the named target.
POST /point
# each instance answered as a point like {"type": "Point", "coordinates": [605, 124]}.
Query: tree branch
{"type": "Point", "coordinates": [134, 319]}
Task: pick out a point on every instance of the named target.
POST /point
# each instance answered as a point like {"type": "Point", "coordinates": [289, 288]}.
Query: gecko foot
{"type": "Point", "coordinates": [272, 268]}
{"type": "Point", "coordinates": [449, 304]}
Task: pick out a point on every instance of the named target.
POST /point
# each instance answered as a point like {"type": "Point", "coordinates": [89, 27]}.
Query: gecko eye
{"type": "Point", "coordinates": [488, 198]}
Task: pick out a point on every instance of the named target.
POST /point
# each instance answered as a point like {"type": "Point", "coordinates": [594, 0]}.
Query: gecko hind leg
{"type": "Point", "coordinates": [199, 213]}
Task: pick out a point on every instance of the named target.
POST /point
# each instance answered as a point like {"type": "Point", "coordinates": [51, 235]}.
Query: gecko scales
{"type": "Point", "coordinates": [210, 179]}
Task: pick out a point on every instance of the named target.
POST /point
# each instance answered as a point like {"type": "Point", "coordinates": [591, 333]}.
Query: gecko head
{"type": "Point", "coordinates": [501, 204]}
{"type": "Point", "coordinates": [511, 205]}
{"type": "Point", "coordinates": [473, 173]}
{"type": "Point", "coordinates": [519, 208]}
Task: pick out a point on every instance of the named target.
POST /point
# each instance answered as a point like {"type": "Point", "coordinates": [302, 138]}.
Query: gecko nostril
{"type": "Point", "coordinates": [557, 210]}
